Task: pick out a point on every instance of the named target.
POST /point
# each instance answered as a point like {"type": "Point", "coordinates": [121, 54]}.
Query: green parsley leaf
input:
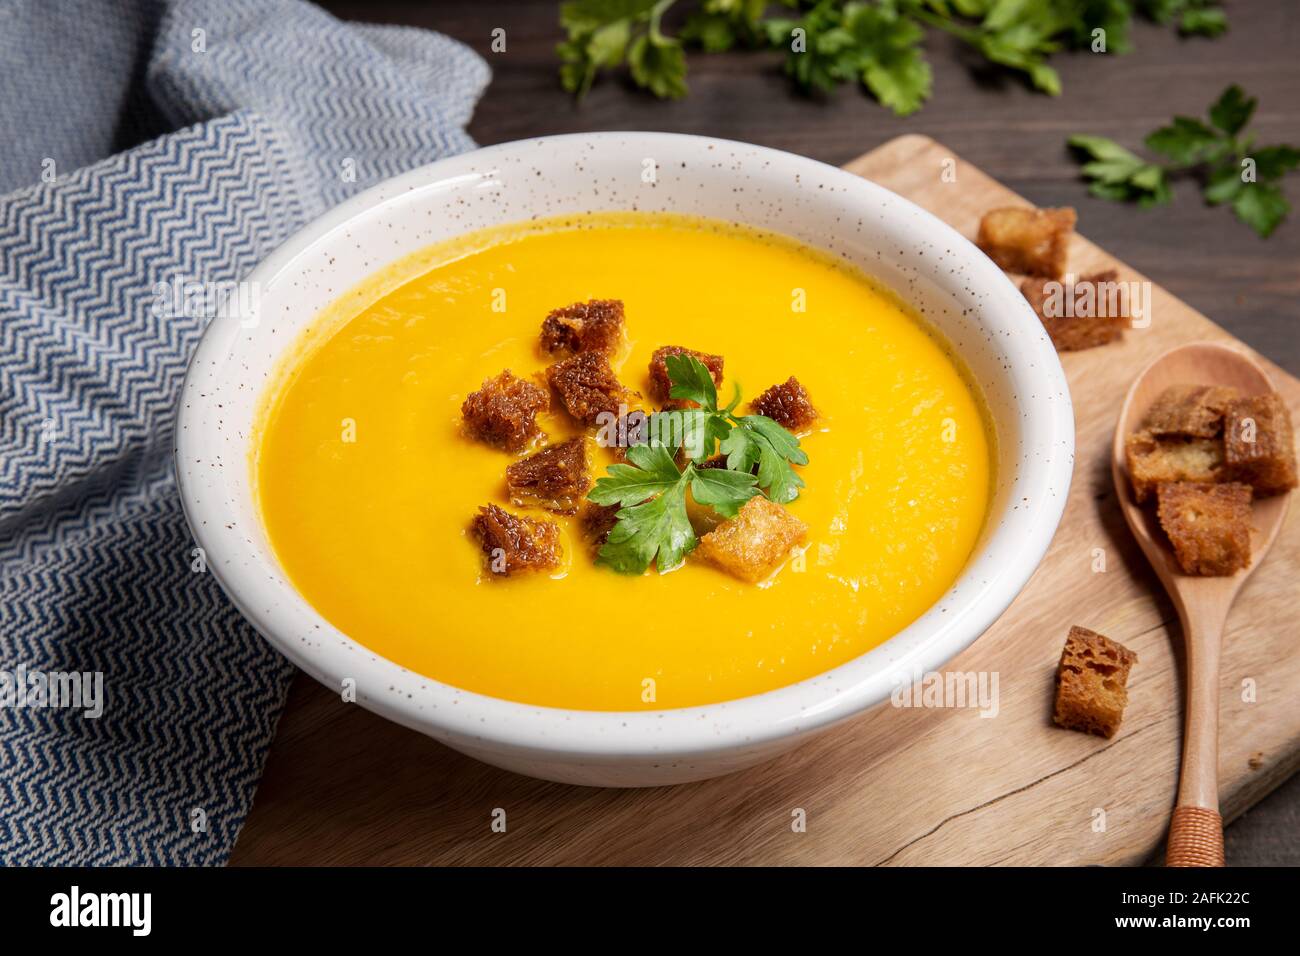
{"type": "Point", "coordinates": [586, 16]}
{"type": "Point", "coordinates": [1223, 184]}
{"type": "Point", "coordinates": [1262, 206]}
{"type": "Point", "coordinates": [758, 440]}
{"type": "Point", "coordinates": [1274, 162]}
{"type": "Point", "coordinates": [723, 24]}
{"type": "Point", "coordinates": [652, 525]}
{"type": "Point", "coordinates": [690, 379]}
{"type": "Point", "coordinates": [741, 450]}
{"type": "Point", "coordinates": [1103, 149]}
{"type": "Point", "coordinates": [1161, 11]}
{"type": "Point", "coordinates": [1231, 170]}
{"type": "Point", "coordinates": [972, 9]}
{"type": "Point", "coordinates": [1118, 174]}
{"type": "Point", "coordinates": [651, 472]}
{"type": "Point", "coordinates": [1020, 34]}
{"type": "Point", "coordinates": [1186, 141]}
{"type": "Point", "coordinates": [782, 441]}
{"type": "Point", "coordinates": [654, 532]}
{"type": "Point", "coordinates": [749, 441]}
{"type": "Point", "coordinates": [1232, 111]}
{"type": "Point", "coordinates": [598, 34]}
{"type": "Point", "coordinates": [712, 32]}
{"type": "Point", "coordinates": [723, 490]}
{"type": "Point", "coordinates": [1115, 192]}
{"type": "Point", "coordinates": [604, 33]}
{"type": "Point", "coordinates": [696, 431]}
{"type": "Point", "coordinates": [821, 53]}
{"type": "Point", "coordinates": [891, 62]}
{"type": "Point", "coordinates": [659, 65]}
{"type": "Point", "coordinates": [1106, 21]}
{"type": "Point", "coordinates": [1195, 17]}
{"type": "Point", "coordinates": [1204, 22]}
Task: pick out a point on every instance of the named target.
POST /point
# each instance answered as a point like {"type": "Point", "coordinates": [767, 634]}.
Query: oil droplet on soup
{"type": "Point", "coordinates": [366, 484]}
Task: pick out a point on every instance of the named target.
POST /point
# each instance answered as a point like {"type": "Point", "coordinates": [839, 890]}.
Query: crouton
{"type": "Point", "coordinates": [555, 478]}
{"type": "Point", "coordinates": [1091, 683]}
{"type": "Point", "coordinates": [1193, 411]}
{"type": "Point", "coordinates": [1082, 315]}
{"type": "Point", "coordinates": [503, 412]}
{"type": "Point", "coordinates": [661, 384]}
{"type": "Point", "coordinates": [1208, 525]}
{"type": "Point", "coordinates": [1029, 241]}
{"type": "Point", "coordinates": [751, 545]}
{"type": "Point", "coordinates": [717, 461]}
{"type": "Point", "coordinates": [513, 543]}
{"type": "Point", "coordinates": [1259, 444]}
{"type": "Point", "coordinates": [594, 326]}
{"type": "Point", "coordinates": [622, 433]}
{"type": "Point", "coordinates": [587, 387]}
{"type": "Point", "coordinates": [681, 459]}
{"type": "Point", "coordinates": [597, 521]}
{"type": "Point", "coordinates": [787, 404]}
{"type": "Point", "coordinates": [1153, 459]}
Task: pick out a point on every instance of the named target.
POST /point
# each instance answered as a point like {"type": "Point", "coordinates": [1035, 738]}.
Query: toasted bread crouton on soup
{"type": "Point", "coordinates": [554, 478]}
{"type": "Point", "coordinates": [512, 543]}
{"type": "Point", "coordinates": [786, 404]}
{"type": "Point", "coordinates": [1259, 445]}
{"type": "Point", "coordinates": [1033, 242]}
{"type": "Point", "coordinates": [1094, 316]}
{"type": "Point", "coordinates": [661, 384]}
{"type": "Point", "coordinates": [597, 521]}
{"type": "Point", "coordinates": [503, 412]}
{"type": "Point", "coordinates": [592, 326]}
{"type": "Point", "coordinates": [588, 387]}
{"type": "Point", "coordinates": [753, 544]}
{"type": "Point", "coordinates": [623, 432]}
{"type": "Point", "coordinates": [1208, 525]}
{"type": "Point", "coordinates": [1092, 683]}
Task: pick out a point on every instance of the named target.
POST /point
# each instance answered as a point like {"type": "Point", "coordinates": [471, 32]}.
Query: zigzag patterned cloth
{"type": "Point", "coordinates": [96, 576]}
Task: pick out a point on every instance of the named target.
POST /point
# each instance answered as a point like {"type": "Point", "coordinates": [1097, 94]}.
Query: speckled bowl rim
{"type": "Point", "coordinates": [1014, 545]}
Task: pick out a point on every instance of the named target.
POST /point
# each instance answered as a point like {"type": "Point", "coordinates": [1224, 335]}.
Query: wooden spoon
{"type": "Point", "coordinates": [1196, 830]}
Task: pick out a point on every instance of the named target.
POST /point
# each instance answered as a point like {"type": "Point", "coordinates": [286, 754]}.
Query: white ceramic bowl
{"type": "Point", "coordinates": [950, 281]}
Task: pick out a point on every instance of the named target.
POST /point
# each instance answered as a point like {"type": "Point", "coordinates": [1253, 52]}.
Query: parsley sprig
{"type": "Point", "coordinates": [1220, 153]}
{"type": "Point", "coordinates": [604, 33]}
{"type": "Point", "coordinates": [877, 43]}
{"type": "Point", "coordinates": [652, 524]}
{"type": "Point", "coordinates": [747, 441]}
{"type": "Point", "coordinates": [836, 43]}
{"type": "Point", "coordinates": [1195, 17]}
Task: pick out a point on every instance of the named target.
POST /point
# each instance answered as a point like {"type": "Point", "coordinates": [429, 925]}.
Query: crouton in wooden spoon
{"type": "Point", "coordinates": [1196, 830]}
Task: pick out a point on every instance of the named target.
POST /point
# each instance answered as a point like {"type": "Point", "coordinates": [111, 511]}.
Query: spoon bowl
{"type": "Point", "coordinates": [1196, 829]}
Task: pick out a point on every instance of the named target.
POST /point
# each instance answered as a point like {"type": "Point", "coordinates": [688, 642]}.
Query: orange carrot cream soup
{"type": "Point", "coordinates": [622, 461]}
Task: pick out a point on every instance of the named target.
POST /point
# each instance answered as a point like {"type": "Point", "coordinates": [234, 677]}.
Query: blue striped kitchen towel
{"type": "Point", "coordinates": [155, 143]}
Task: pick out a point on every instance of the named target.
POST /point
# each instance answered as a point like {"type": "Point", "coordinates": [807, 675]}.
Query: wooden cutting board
{"type": "Point", "coordinates": [896, 786]}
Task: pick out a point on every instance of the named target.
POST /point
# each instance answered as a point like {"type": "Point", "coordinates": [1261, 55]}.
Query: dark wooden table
{"type": "Point", "coordinates": [1202, 255]}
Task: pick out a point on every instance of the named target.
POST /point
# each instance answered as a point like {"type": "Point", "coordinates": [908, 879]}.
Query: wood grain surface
{"type": "Point", "coordinates": [895, 786]}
